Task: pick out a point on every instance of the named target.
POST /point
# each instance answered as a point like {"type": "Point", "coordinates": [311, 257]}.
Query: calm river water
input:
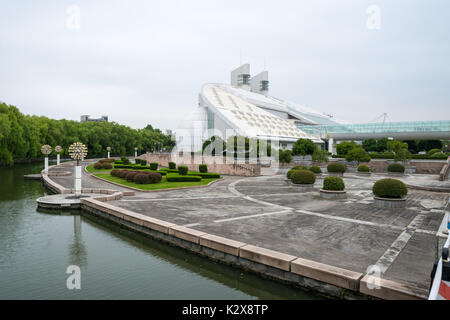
{"type": "Point", "coordinates": [37, 247]}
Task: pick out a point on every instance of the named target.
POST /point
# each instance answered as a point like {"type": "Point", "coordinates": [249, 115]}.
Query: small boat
{"type": "Point", "coordinates": [440, 287]}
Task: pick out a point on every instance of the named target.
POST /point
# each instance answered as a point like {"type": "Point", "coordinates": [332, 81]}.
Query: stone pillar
{"type": "Point", "coordinates": [78, 181]}
{"type": "Point", "coordinates": [330, 145]}
{"type": "Point", "coordinates": [57, 159]}
{"type": "Point", "coordinates": [135, 154]}
{"type": "Point", "coordinates": [108, 154]}
{"type": "Point", "coordinates": [46, 165]}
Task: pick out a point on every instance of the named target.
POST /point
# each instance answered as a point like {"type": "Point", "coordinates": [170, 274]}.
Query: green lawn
{"type": "Point", "coordinates": [90, 168]}
{"type": "Point", "coordinates": [156, 186]}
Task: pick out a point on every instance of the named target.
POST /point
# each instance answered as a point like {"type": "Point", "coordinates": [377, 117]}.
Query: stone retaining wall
{"type": "Point", "coordinates": [214, 164]}
{"type": "Point", "coordinates": [325, 279]}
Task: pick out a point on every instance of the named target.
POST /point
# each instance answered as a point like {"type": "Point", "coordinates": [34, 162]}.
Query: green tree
{"type": "Point", "coordinates": [412, 145]}
{"type": "Point", "coordinates": [320, 155]}
{"type": "Point", "coordinates": [357, 154]}
{"type": "Point", "coordinates": [285, 156]}
{"type": "Point", "coordinates": [370, 144]}
{"type": "Point", "coordinates": [382, 144]}
{"type": "Point", "coordinates": [303, 147]}
{"type": "Point", "coordinates": [427, 145]}
{"type": "Point", "coordinates": [344, 147]}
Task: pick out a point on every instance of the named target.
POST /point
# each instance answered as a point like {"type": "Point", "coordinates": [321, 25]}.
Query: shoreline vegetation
{"type": "Point", "coordinates": [22, 136]}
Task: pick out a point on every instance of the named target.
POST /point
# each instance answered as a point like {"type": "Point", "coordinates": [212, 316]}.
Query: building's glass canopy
{"type": "Point", "coordinates": [387, 127]}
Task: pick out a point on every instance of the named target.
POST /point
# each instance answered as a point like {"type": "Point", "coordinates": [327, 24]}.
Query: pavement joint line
{"type": "Point", "coordinates": [252, 216]}
{"type": "Point", "coordinates": [369, 223]}
{"type": "Point", "coordinates": [232, 189]}
{"type": "Point", "coordinates": [389, 256]}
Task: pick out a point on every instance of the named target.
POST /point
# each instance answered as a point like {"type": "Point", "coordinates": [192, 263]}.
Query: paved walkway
{"type": "Point", "coordinates": [350, 233]}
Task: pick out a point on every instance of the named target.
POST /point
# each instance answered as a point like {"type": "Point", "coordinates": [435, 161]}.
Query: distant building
{"type": "Point", "coordinates": [87, 118]}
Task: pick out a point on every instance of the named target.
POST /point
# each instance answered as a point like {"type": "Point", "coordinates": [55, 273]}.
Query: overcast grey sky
{"type": "Point", "coordinates": [145, 61]}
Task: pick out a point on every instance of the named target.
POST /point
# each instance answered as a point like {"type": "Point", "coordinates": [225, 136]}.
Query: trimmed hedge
{"type": "Point", "coordinates": [142, 162]}
{"type": "Point", "coordinates": [363, 168]}
{"type": "Point", "coordinates": [299, 167]}
{"type": "Point", "coordinates": [169, 170]}
{"type": "Point", "coordinates": [207, 175]}
{"type": "Point", "coordinates": [396, 167]}
{"type": "Point", "coordinates": [203, 168]}
{"type": "Point", "coordinates": [333, 183]}
{"type": "Point", "coordinates": [102, 165]}
{"type": "Point", "coordinates": [172, 165]}
{"type": "Point", "coordinates": [140, 177]}
{"type": "Point", "coordinates": [182, 178]}
{"type": "Point", "coordinates": [336, 167]}
{"type": "Point", "coordinates": [315, 169]}
{"type": "Point", "coordinates": [389, 188]}
{"type": "Point", "coordinates": [182, 170]}
{"type": "Point", "coordinates": [154, 165]}
{"type": "Point", "coordinates": [303, 177]}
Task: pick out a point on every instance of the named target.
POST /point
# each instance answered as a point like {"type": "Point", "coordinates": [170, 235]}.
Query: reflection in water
{"type": "Point", "coordinates": [38, 247]}
{"type": "Point", "coordinates": [77, 248]}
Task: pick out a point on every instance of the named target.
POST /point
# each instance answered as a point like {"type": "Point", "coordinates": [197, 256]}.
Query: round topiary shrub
{"type": "Point", "coordinates": [98, 165]}
{"type": "Point", "coordinates": [333, 183]}
{"type": "Point", "coordinates": [363, 168]}
{"type": "Point", "coordinates": [172, 165]}
{"type": "Point", "coordinates": [315, 169]}
{"type": "Point", "coordinates": [107, 165]}
{"type": "Point", "coordinates": [122, 173]}
{"type": "Point", "coordinates": [396, 167]}
{"type": "Point", "coordinates": [336, 167]}
{"type": "Point", "coordinates": [303, 177]}
{"type": "Point", "coordinates": [182, 170]}
{"type": "Point", "coordinates": [130, 175]}
{"type": "Point", "coordinates": [290, 172]}
{"type": "Point", "coordinates": [154, 166]}
{"type": "Point", "coordinates": [114, 172]}
{"type": "Point", "coordinates": [203, 168]}
{"type": "Point", "coordinates": [389, 188]}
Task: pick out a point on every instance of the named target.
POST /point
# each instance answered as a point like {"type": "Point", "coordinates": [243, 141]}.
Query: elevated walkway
{"type": "Point", "coordinates": [424, 130]}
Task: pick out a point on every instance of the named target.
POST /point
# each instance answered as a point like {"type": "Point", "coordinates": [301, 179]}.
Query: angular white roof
{"type": "Point", "coordinates": [242, 115]}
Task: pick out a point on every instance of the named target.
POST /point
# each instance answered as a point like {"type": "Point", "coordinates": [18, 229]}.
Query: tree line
{"type": "Point", "coordinates": [21, 136]}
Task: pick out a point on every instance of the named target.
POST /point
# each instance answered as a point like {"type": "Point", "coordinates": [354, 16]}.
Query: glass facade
{"type": "Point", "coordinates": [387, 127]}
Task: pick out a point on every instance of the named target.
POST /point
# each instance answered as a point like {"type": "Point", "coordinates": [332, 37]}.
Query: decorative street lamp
{"type": "Point", "coordinates": [77, 151]}
{"type": "Point", "coordinates": [58, 149]}
{"type": "Point", "coordinates": [46, 150]}
{"type": "Point", "coordinates": [135, 152]}
{"type": "Point", "coordinates": [109, 149]}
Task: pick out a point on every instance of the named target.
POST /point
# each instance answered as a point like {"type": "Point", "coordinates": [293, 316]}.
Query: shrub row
{"type": "Point", "coordinates": [207, 175]}
{"type": "Point", "coordinates": [138, 177]}
{"type": "Point", "coordinates": [102, 165]}
{"type": "Point", "coordinates": [173, 177]}
{"type": "Point", "coordinates": [142, 162]}
{"type": "Point", "coordinates": [396, 167]}
{"type": "Point", "coordinates": [182, 170]}
{"type": "Point", "coordinates": [154, 165]}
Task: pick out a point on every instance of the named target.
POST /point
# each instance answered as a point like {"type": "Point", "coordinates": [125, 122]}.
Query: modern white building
{"type": "Point", "coordinates": [245, 107]}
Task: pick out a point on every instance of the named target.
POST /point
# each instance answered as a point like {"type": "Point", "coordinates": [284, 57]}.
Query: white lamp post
{"type": "Point", "coordinates": [77, 151]}
{"type": "Point", "coordinates": [46, 150]}
{"type": "Point", "coordinates": [135, 152]}
{"type": "Point", "coordinates": [58, 149]}
{"type": "Point", "coordinates": [109, 150]}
